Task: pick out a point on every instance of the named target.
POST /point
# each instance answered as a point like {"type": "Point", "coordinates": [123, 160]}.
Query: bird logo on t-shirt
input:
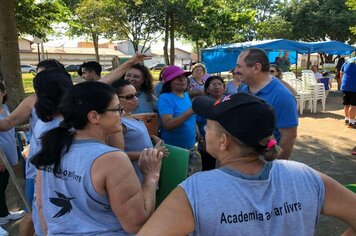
{"type": "Point", "coordinates": [62, 201]}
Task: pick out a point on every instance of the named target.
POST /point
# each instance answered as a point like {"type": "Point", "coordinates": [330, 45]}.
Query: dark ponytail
{"type": "Point", "coordinates": [50, 86]}
{"type": "Point", "coordinates": [62, 137]}
{"type": "Point", "coordinates": [75, 106]}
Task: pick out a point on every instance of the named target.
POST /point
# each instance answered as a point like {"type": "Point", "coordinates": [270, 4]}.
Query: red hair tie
{"type": "Point", "coordinates": [271, 143]}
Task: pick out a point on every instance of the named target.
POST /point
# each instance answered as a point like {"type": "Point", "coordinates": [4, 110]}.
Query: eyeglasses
{"type": "Point", "coordinates": [216, 85]}
{"type": "Point", "coordinates": [272, 71]}
{"type": "Point", "coordinates": [118, 110]}
{"type": "Point", "coordinates": [129, 97]}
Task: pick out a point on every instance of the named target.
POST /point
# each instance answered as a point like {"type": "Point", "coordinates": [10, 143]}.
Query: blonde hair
{"type": "Point", "coordinates": [199, 65]}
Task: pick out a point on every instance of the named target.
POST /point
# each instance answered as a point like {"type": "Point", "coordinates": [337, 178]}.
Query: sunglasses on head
{"type": "Point", "coordinates": [129, 97]}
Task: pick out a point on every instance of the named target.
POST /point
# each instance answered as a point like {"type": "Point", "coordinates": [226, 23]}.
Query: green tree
{"type": "Point", "coordinates": [23, 17]}
{"type": "Point", "coordinates": [9, 53]}
{"type": "Point", "coordinates": [136, 20]}
{"type": "Point", "coordinates": [274, 27]}
{"type": "Point", "coordinates": [36, 18]}
{"type": "Point", "coordinates": [351, 4]}
{"type": "Point", "coordinates": [315, 20]}
{"type": "Point", "coordinates": [91, 18]}
{"type": "Point", "coordinates": [217, 22]}
{"type": "Point", "coordinates": [319, 20]}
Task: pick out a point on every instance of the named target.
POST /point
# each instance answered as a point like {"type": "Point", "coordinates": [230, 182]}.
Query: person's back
{"type": "Point", "coordinates": [70, 203]}
{"type": "Point", "coordinates": [282, 193]}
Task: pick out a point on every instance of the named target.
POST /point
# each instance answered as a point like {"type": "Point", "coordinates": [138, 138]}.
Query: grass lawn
{"type": "Point", "coordinates": [27, 79]}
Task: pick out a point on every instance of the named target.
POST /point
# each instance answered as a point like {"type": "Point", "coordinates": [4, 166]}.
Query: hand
{"type": "Point", "coordinates": [161, 148]}
{"type": "Point", "coordinates": [150, 163]}
{"type": "Point", "coordinates": [139, 57]}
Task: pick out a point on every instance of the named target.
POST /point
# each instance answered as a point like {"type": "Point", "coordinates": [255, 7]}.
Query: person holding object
{"type": "Point", "coordinates": [23, 112]}
{"type": "Point", "coordinates": [251, 193]}
{"type": "Point", "coordinates": [136, 136]}
{"type": "Point", "coordinates": [284, 62]}
{"type": "Point", "coordinates": [177, 117]}
{"type": "Point", "coordinates": [88, 187]}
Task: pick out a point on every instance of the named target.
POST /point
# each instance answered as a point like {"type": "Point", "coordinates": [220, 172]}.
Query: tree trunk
{"type": "Point", "coordinates": [198, 50]}
{"type": "Point", "coordinates": [9, 53]}
{"type": "Point", "coordinates": [166, 36]}
{"type": "Point", "coordinates": [172, 54]}
{"type": "Point", "coordinates": [96, 46]}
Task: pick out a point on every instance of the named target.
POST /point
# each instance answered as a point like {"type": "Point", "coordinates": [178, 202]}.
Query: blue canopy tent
{"type": "Point", "coordinates": [223, 57]}
{"type": "Point", "coordinates": [332, 47]}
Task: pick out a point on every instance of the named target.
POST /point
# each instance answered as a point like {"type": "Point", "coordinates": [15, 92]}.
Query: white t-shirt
{"type": "Point", "coordinates": [318, 76]}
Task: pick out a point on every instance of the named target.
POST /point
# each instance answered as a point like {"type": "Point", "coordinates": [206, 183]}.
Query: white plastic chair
{"type": "Point", "coordinates": [286, 76]}
{"type": "Point", "coordinates": [308, 79]}
{"type": "Point", "coordinates": [319, 94]}
{"type": "Point", "coordinates": [302, 96]}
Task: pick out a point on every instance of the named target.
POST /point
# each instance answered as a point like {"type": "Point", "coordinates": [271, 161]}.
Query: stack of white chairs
{"type": "Point", "coordinates": [316, 89]}
{"type": "Point", "coordinates": [319, 94]}
{"type": "Point", "coordinates": [287, 76]}
{"type": "Point", "coordinates": [308, 78]}
{"type": "Point", "coordinates": [302, 96]}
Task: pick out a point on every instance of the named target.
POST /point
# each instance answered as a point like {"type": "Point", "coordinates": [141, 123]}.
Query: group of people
{"type": "Point", "coordinates": [93, 167]}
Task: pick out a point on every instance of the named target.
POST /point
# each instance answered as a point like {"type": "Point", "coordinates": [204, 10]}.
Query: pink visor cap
{"type": "Point", "coordinates": [172, 72]}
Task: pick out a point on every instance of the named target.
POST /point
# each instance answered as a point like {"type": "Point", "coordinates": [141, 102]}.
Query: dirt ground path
{"type": "Point", "coordinates": [323, 142]}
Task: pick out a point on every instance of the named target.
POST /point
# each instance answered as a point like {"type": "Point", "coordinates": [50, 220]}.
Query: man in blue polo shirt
{"type": "Point", "coordinates": [253, 66]}
{"type": "Point", "coordinates": [348, 87]}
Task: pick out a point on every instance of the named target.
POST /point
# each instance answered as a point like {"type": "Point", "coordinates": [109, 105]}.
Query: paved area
{"type": "Point", "coordinates": [323, 142]}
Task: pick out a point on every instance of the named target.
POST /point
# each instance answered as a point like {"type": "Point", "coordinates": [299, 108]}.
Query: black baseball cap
{"type": "Point", "coordinates": [245, 116]}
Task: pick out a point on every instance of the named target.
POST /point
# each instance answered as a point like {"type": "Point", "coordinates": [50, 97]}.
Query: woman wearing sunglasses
{"type": "Point", "coordinates": [234, 85]}
{"type": "Point", "coordinates": [89, 187]}
{"type": "Point", "coordinates": [136, 136]}
{"type": "Point", "coordinates": [275, 71]}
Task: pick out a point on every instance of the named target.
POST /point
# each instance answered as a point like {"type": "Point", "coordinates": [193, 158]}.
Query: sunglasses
{"type": "Point", "coordinates": [118, 110]}
{"type": "Point", "coordinates": [272, 71]}
{"type": "Point", "coordinates": [129, 97]}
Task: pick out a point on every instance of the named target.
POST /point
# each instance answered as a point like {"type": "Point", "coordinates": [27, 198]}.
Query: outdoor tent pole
{"type": "Point", "coordinates": [13, 178]}
{"type": "Point", "coordinates": [296, 64]}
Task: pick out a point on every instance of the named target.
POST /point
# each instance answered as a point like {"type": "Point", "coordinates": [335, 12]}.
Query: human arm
{"type": "Point", "coordinates": [169, 122]}
{"type": "Point", "coordinates": [20, 114]}
{"type": "Point", "coordinates": [121, 70]}
{"type": "Point", "coordinates": [196, 93]}
{"type": "Point", "coordinates": [39, 201]}
{"type": "Point", "coordinates": [288, 136]}
{"type": "Point", "coordinates": [338, 203]}
{"type": "Point", "coordinates": [173, 217]}
{"type": "Point", "coordinates": [131, 203]}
